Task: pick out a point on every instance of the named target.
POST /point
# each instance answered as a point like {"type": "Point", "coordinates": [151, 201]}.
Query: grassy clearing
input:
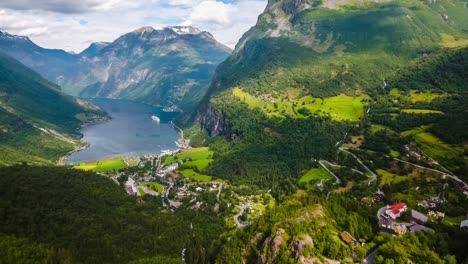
{"type": "Point", "coordinates": [198, 157]}
{"type": "Point", "coordinates": [189, 173]}
{"type": "Point", "coordinates": [414, 131]}
{"type": "Point", "coordinates": [153, 186]}
{"type": "Point", "coordinates": [315, 174]}
{"type": "Point", "coordinates": [102, 165]}
{"type": "Point", "coordinates": [417, 96]}
{"type": "Point", "coordinates": [395, 153]}
{"type": "Point", "coordinates": [377, 128]}
{"type": "Point", "coordinates": [435, 147]}
{"type": "Point", "coordinates": [422, 111]}
{"type": "Point", "coordinates": [395, 92]}
{"type": "Point", "coordinates": [387, 178]}
{"type": "Point", "coordinates": [340, 108]}
{"type": "Point", "coordinates": [199, 164]}
{"type": "Point", "coordinates": [432, 145]}
{"type": "Point", "coordinates": [449, 41]}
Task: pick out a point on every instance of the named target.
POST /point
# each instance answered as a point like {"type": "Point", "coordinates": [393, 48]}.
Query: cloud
{"type": "Point", "coordinates": [61, 6]}
{"type": "Point", "coordinates": [71, 25]}
{"type": "Point", "coordinates": [226, 21]}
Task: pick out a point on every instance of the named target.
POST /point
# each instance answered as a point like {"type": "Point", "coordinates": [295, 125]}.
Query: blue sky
{"type": "Point", "coordinates": [73, 25]}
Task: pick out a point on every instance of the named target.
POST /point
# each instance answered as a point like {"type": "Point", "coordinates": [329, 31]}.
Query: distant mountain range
{"type": "Point", "coordinates": [171, 66]}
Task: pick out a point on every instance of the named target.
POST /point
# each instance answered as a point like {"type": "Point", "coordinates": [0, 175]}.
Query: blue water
{"type": "Point", "coordinates": [130, 132]}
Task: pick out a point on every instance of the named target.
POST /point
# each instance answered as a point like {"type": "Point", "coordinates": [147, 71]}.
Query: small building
{"type": "Point", "coordinates": [130, 187]}
{"type": "Point", "coordinates": [436, 214]}
{"type": "Point", "coordinates": [348, 238]}
{"type": "Point", "coordinates": [464, 225]}
{"type": "Point", "coordinates": [418, 216]}
{"type": "Point", "coordinates": [396, 210]}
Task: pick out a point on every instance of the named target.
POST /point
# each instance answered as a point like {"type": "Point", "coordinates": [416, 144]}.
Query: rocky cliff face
{"type": "Point", "coordinates": [215, 122]}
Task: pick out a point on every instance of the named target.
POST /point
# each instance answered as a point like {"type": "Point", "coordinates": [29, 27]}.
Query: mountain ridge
{"type": "Point", "coordinates": [171, 66]}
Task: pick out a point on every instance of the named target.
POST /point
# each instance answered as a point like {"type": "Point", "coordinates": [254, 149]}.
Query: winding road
{"type": "Point", "coordinates": [373, 177]}
{"type": "Point", "coordinates": [236, 217]}
{"type": "Point", "coordinates": [321, 162]}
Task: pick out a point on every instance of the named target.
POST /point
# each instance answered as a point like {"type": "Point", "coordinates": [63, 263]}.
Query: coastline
{"type": "Point", "coordinates": [61, 160]}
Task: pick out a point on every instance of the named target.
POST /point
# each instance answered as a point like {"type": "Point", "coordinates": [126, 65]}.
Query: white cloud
{"type": "Point", "coordinates": [105, 20]}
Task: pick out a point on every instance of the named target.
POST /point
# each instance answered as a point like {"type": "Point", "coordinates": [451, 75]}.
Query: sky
{"type": "Point", "coordinates": [72, 25]}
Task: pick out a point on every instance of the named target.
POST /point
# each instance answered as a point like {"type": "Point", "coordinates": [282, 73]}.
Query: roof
{"type": "Point", "coordinates": [396, 208]}
{"type": "Point", "coordinates": [464, 223]}
{"type": "Point", "coordinates": [419, 216]}
{"type": "Point", "coordinates": [347, 237]}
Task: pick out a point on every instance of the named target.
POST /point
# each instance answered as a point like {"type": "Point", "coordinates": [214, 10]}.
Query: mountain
{"type": "Point", "coordinates": [39, 122]}
{"type": "Point", "coordinates": [172, 66]}
{"type": "Point", "coordinates": [50, 63]}
{"type": "Point", "coordinates": [311, 72]}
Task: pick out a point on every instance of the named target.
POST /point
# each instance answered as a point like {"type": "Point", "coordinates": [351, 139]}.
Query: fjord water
{"type": "Point", "coordinates": [130, 132]}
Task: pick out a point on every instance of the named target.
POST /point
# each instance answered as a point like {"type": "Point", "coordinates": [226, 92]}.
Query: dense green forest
{"type": "Point", "coordinates": [55, 213]}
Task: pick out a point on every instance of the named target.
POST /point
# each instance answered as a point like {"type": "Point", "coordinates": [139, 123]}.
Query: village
{"type": "Point", "coordinates": [162, 176]}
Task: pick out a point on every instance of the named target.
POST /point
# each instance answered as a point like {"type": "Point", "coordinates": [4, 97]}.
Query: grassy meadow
{"type": "Point", "coordinates": [102, 165]}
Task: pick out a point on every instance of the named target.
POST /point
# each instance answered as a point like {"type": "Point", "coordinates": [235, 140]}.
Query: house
{"type": "Point", "coordinates": [424, 204]}
{"type": "Point", "coordinates": [464, 225]}
{"type": "Point", "coordinates": [348, 238]}
{"type": "Point", "coordinates": [436, 214]}
{"type": "Point", "coordinates": [396, 210]}
{"type": "Point", "coordinates": [130, 187]}
{"type": "Point", "coordinates": [418, 216]}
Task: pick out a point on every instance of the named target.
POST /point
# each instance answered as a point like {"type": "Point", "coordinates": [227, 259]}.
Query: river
{"type": "Point", "coordinates": [130, 132]}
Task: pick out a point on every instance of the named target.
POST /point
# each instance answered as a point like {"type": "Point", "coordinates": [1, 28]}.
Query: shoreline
{"type": "Point", "coordinates": [61, 160]}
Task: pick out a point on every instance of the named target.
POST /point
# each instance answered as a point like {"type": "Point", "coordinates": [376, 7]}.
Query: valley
{"type": "Point", "coordinates": [334, 132]}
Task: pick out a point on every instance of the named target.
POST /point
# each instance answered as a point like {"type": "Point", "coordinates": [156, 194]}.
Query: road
{"type": "Point", "coordinates": [370, 258]}
{"type": "Point", "coordinates": [454, 177]}
{"type": "Point", "coordinates": [321, 162]}
{"type": "Point", "coordinates": [236, 217]}
{"type": "Point", "coordinates": [219, 192]}
{"type": "Point", "coordinates": [373, 175]}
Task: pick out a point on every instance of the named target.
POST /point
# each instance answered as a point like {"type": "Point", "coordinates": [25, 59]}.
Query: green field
{"type": "Point", "coordinates": [198, 157]}
{"type": "Point", "coordinates": [102, 165]}
{"type": "Point", "coordinates": [417, 96]}
{"type": "Point", "coordinates": [339, 108]}
{"type": "Point", "coordinates": [388, 178]}
{"type": "Point", "coordinates": [153, 186]}
{"type": "Point", "coordinates": [435, 147]}
{"type": "Point", "coordinates": [432, 145]}
{"type": "Point", "coordinates": [315, 174]}
{"type": "Point", "coordinates": [422, 111]}
{"type": "Point", "coordinates": [189, 173]}
{"type": "Point", "coordinates": [377, 128]}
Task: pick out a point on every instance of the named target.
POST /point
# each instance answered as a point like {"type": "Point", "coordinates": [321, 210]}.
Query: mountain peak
{"type": "Point", "coordinates": [146, 29]}
{"type": "Point", "coordinates": [183, 30]}
{"type": "Point", "coordinates": [4, 34]}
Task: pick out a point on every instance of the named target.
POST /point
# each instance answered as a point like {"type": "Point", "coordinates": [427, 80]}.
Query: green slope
{"type": "Point", "coordinates": [87, 215]}
{"type": "Point", "coordinates": [39, 123]}
{"type": "Point", "coordinates": [322, 65]}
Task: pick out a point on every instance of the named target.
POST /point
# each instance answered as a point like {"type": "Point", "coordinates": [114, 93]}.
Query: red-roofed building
{"type": "Point", "coordinates": [396, 210]}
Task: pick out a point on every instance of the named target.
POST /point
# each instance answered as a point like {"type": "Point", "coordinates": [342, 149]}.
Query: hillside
{"type": "Point", "coordinates": [310, 72]}
{"type": "Point", "coordinates": [39, 123]}
{"type": "Point", "coordinates": [80, 217]}
{"type": "Point", "coordinates": [169, 67]}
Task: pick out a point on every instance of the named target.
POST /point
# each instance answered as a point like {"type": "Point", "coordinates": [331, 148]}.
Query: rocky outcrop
{"type": "Point", "coordinates": [216, 122]}
{"type": "Point", "coordinates": [271, 247]}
